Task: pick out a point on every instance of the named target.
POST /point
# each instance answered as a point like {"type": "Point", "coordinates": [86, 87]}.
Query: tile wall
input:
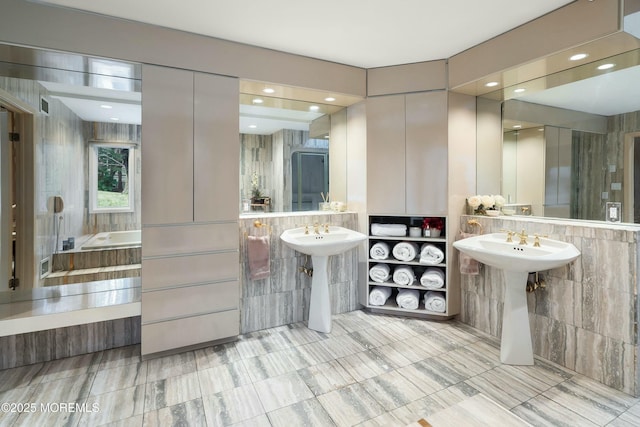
{"type": "Point", "coordinates": [283, 298]}
{"type": "Point", "coordinates": [586, 318]}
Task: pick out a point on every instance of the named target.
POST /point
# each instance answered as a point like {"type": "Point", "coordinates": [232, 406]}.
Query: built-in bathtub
{"type": "Point", "coordinates": [113, 239]}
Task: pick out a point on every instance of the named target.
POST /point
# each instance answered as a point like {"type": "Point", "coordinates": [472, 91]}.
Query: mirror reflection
{"type": "Point", "coordinates": [568, 141]}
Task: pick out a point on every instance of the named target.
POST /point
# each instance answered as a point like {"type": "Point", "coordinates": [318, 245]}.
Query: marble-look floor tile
{"type": "Point", "coordinates": [430, 375]}
{"type": "Point", "coordinates": [365, 365]}
{"type": "Point", "coordinates": [171, 391]}
{"type": "Point", "coordinates": [119, 378]}
{"type": "Point", "coordinates": [543, 412]}
{"type": "Point", "coordinates": [216, 355]}
{"type": "Point", "coordinates": [393, 357]}
{"type": "Point", "coordinates": [232, 406]}
{"type": "Point", "coordinates": [298, 334]}
{"type": "Point", "coordinates": [503, 388]}
{"type": "Point", "coordinates": [170, 366]}
{"type": "Point", "coordinates": [64, 390]}
{"type": "Point", "coordinates": [326, 377]}
{"type": "Point", "coordinates": [22, 376]}
{"type": "Point", "coordinates": [259, 421]}
{"type": "Point", "coordinates": [223, 377]}
{"type": "Point", "coordinates": [385, 420]}
{"type": "Point", "coordinates": [51, 417]}
{"type": "Point", "coordinates": [304, 413]}
{"type": "Point", "coordinates": [120, 356]}
{"type": "Point", "coordinates": [70, 367]}
{"type": "Point", "coordinates": [477, 411]}
{"type": "Point", "coordinates": [350, 405]}
{"type": "Point", "coordinates": [285, 390]}
{"type": "Point", "coordinates": [392, 390]}
{"type": "Point", "coordinates": [190, 413]}
{"type": "Point", "coordinates": [135, 421]}
{"type": "Point", "coordinates": [278, 363]}
{"type": "Point", "coordinates": [252, 345]}
{"type": "Point", "coordinates": [114, 406]}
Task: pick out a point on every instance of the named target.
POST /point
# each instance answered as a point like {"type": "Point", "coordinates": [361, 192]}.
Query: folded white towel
{"type": "Point", "coordinates": [403, 275]}
{"type": "Point", "coordinates": [431, 254]}
{"type": "Point", "coordinates": [408, 298]}
{"type": "Point", "coordinates": [380, 273]}
{"type": "Point", "coordinates": [432, 278]}
{"type": "Point", "coordinates": [390, 230]}
{"type": "Point", "coordinates": [405, 251]}
{"type": "Point", "coordinates": [379, 295]}
{"type": "Point", "coordinates": [379, 250]}
{"type": "Point", "coordinates": [435, 301]}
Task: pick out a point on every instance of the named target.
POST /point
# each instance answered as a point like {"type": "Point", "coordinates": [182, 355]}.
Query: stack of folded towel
{"type": "Point", "coordinates": [431, 254]}
{"type": "Point", "coordinates": [408, 298]}
{"type": "Point", "coordinates": [435, 301]}
{"type": "Point", "coordinates": [380, 273]}
{"type": "Point", "coordinates": [389, 230]}
{"type": "Point", "coordinates": [405, 251]}
{"type": "Point", "coordinates": [379, 295]}
{"type": "Point", "coordinates": [432, 278]}
{"type": "Point", "coordinates": [404, 276]}
{"type": "Point", "coordinates": [379, 250]}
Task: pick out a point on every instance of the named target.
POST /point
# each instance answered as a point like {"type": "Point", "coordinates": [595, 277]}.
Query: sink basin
{"type": "Point", "coordinates": [321, 246]}
{"type": "Point", "coordinates": [516, 262]}
{"type": "Point", "coordinates": [494, 250]}
{"type": "Point", "coordinates": [336, 241]}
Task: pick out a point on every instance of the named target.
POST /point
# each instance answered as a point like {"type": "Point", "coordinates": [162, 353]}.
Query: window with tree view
{"type": "Point", "coordinates": [112, 178]}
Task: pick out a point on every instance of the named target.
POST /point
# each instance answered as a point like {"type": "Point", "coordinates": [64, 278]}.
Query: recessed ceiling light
{"type": "Point", "coordinates": [519, 90]}
{"type": "Point", "coordinates": [606, 66]}
{"type": "Point", "coordinates": [268, 90]}
{"type": "Point", "coordinates": [329, 99]}
{"type": "Point", "coordinates": [578, 56]}
{"type": "Point", "coordinates": [115, 119]}
{"type": "Point", "coordinates": [105, 106]}
{"type": "Point", "coordinates": [517, 126]}
{"type": "Point", "coordinates": [252, 126]}
{"type": "Point", "coordinates": [491, 84]}
{"type": "Point", "coordinates": [314, 108]}
{"type": "Point", "coordinates": [257, 101]}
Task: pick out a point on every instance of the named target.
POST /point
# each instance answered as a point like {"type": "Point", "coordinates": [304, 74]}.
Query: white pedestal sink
{"type": "Point", "coordinates": [516, 262]}
{"type": "Point", "coordinates": [321, 245]}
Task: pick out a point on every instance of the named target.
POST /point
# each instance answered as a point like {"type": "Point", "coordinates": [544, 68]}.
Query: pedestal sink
{"type": "Point", "coordinates": [321, 243]}
{"type": "Point", "coordinates": [517, 261]}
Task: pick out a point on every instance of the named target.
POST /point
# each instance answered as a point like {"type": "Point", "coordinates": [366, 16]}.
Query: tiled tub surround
{"type": "Point", "coordinates": [586, 318]}
{"type": "Point", "coordinates": [283, 298]}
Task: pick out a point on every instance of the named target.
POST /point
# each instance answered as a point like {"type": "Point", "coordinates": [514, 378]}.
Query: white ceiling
{"type": "Point", "coordinates": [363, 33]}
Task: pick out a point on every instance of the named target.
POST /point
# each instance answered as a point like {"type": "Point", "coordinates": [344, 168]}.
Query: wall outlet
{"type": "Point", "coordinates": [605, 195]}
{"type": "Point", "coordinates": [616, 186]}
{"type": "Point", "coordinates": [612, 168]}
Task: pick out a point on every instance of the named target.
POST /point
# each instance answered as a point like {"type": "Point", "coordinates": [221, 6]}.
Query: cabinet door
{"type": "Point", "coordinates": [386, 154]}
{"type": "Point", "coordinates": [216, 148]}
{"type": "Point", "coordinates": [167, 145]}
{"type": "Point", "coordinates": [426, 152]}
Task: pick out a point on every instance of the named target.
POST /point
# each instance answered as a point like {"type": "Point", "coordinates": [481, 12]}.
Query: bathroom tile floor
{"type": "Point", "coordinates": [372, 370]}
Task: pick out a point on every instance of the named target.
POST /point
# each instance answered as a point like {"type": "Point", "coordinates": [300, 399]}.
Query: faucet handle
{"type": "Point", "coordinates": [306, 229]}
{"type": "Point", "coordinates": [326, 228]}
{"type": "Point", "coordinates": [510, 234]}
{"type": "Point", "coordinates": [536, 240]}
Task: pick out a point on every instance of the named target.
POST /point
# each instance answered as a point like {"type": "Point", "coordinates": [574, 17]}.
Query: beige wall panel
{"type": "Point", "coordinates": [167, 146]}
{"type": "Point", "coordinates": [180, 302]}
{"type": "Point", "coordinates": [426, 153]}
{"type": "Point", "coordinates": [339, 161]}
{"type": "Point", "coordinates": [163, 336]}
{"type": "Point", "coordinates": [216, 148]}
{"type": "Point", "coordinates": [183, 239]}
{"type": "Point", "coordinates": [386, 154]}
{"type": "Point", "coordinates": [489, 147]}
{"type": "Point", "coordinates": [165, 272]}
{"type": "Point", "coordinates": [422, 76]}
{"type": "Point", "coordinates": [577, 23]}
{"type": "Point", "coordinates": [39, 25]}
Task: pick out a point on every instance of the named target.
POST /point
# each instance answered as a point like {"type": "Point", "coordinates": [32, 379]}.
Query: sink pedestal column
{"type": "Point", "coordinates": [320, 303]}
{"type": "Point", "coordinates": [515, 347]}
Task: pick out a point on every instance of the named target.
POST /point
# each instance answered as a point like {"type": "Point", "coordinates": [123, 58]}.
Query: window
{"type": "Point", "coordinates": [112, 172]}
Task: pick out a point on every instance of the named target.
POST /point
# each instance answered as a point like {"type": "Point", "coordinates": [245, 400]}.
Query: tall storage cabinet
{"type": "Point", "coordinates": [190, 245]}
{"type": "Point", "coordinates": [434, 262]}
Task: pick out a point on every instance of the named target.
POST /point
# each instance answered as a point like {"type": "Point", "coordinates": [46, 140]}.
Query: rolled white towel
{"type": "Point", "coordinates": [403, 275]}
{"type": "Point", "coordinates": [408, 298]}
{"type": "Point", "coordinates": [380, 273]}
{"type": "Point", "coordinates": [432, 278]}
{"type": "Point", "coordinates": [435, 301]}
{"type": "Point", "coordinates": [390, 230]}
{"type": "Point", "coordinates": [405, 251]}
{"type": "Point", "coordinates": [379, 250]}
{"type": "Point", "coordinates": [431, 254]}
{"type": "Point", "coordinates": [379, 295]}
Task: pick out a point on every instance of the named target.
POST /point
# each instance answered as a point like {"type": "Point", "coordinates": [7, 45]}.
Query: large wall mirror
{"type": "Point", "coordinates": [70, 187]}
{"type": "Point", "coordinates": [569, 140]}
{"type": "Point", "coordinates": [286, 140]}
